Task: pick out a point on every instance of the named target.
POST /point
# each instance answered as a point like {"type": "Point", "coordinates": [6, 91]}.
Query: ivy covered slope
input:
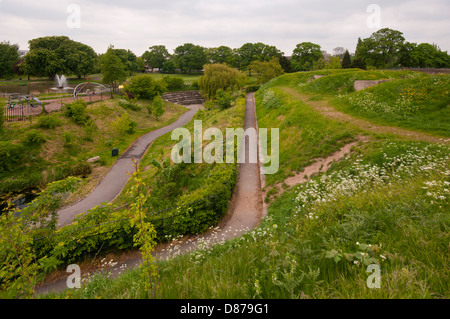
{"type": "Point", "coordinates": [386, 204]}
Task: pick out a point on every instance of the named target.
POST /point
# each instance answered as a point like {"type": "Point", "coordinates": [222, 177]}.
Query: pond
{"type": "Point", "coordinates": [25, 87]}
{"type": "Point", "coordinates": [19, 200]}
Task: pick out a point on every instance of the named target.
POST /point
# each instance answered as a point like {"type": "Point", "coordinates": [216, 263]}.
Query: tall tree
{"type": "Point", "coordinates": [58, 55]}
{"type": "Point", "coordinates": [382, 49]}
{"type": "Point", "coordinates": [346, 60]}
{"type": "Point", "coordinates": [305, 55]}
{"type": "Point", "coordinates": [250, 52]}
{"type": "Point", "coordinates": [9, 55]}
{"type": "Point", "coordinates": [222, 54]}
{"type": "Point", "coordinates": [113, 69]}
{"type": "Point", "coordinates": [219, 76]}
{"type": "Point", "coordinates": [266, 71]}
{"type": "Point", "coordinates": [190, 57]}
{"type": "Point", "coordinates": [156, 57]}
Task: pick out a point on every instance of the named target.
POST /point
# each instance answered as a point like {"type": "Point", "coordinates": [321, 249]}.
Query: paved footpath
{"type": "Point", "coordinates": [244, 214]}
{"type": "Point", "coordinates": [117, 177]}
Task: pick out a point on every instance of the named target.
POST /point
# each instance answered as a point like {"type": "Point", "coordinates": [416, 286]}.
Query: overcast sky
{"type": "Point", "coordinates": [138, 24]}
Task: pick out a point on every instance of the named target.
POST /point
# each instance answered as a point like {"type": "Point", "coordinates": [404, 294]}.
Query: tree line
{"type": "Point", "coordinates": [51, 55]}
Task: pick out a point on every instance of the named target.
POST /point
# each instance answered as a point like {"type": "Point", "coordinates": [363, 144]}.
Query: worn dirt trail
{"type": "Point", "coordinates": [329, 111]}
{"type": "Point", "coordinates": [244, 214]}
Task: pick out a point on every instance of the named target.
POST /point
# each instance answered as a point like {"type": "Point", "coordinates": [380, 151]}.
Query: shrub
{"type": "Point", "coordinates": [89, 131]}
{"type": "Point", "coordinates": [68, 139]}
{"type": "Point", "coordinates": [49, 121]}
{"type": "Point", "coordinates": [76, 111]}
{"type": "Point", "coordinates": [124, 124]}
{"type": "Point", "coordinates": [223, 99]}
{"type": "Point", "coordinates": [173, 83]}
{"type": "Point", "coordinates": [220, 76]}
{"type": "Point", "coordinates": [271, 100]}
{"type": "Point", "coordinates": [130, 104]}
{"type": "Point", "coordinates": [10, 154]}
{"type": "Point", "coordinates": [33, 138]}
{"type": "Point", "coordinates": [144, 86]}
{"type": "Point", "coordinates": [158, 107]}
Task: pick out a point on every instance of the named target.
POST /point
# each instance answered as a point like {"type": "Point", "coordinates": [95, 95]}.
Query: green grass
{"type": "Point", "coordinates": [420, 103]}
{"type": "Point", "coordinates": [387, 204]}
{"type": "Point", "coordinates": [288, 255]}
{"type": "Point", "coordinates": [304, 134]}
{"type": "Point", "coordinates": [47, 162]}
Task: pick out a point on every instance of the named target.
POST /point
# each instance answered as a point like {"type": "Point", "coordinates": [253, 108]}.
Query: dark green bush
{"type": "Point", "coordinates": [49, 121]}
{"type": "Point", "coordinates": [252, 88]}
{"type": "Point", "coordinates": [76, 111]}
{"type": "Point", "coordinates": [173, 83]}
{"type": "Point", "coordinates": [223, 99]}
{"type": "Point", "coordinates": [33, 138]}
{"type": "Point", "coordinates": [144, 86]}
{"type": "Point", "coordinates": [10, 155]}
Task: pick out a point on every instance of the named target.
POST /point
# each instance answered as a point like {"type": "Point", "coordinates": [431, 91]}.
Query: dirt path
{"type": "Point", "coordinates": [244, 214]}
{"type": "Point", "coordinates": [320, 165]}
{"type": "Point", "coordinates": [329, 111]}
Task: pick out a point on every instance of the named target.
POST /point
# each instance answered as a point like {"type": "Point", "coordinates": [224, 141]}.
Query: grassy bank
{"type": "Point", "coordinates": [386, 204]}
{"type": "Point", "coordinates": [57, 146]}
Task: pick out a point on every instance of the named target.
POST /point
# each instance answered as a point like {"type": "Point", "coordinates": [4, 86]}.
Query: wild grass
{"type": "Point", "coordinates": [304, 134]}
{"type": "Point", "coordinates": [321, 249]}
{"type": "Point", "coordinates": [48, 162]}
{"type": "Point", "coordinates": [387, 204]}
{"type": "Point", "coordinates": [420, 103]}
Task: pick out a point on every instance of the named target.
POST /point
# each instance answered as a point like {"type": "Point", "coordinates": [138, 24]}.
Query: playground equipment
{"type": "Point", "coordinates": [97, 89]}
{"type": "Point", "coordinates": [19, 107]}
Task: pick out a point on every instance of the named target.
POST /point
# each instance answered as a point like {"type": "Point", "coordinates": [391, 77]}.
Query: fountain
{"type": "Point", "coordinates": [61, 80]}
{"type": "Point", "coordinates": [61, 83]}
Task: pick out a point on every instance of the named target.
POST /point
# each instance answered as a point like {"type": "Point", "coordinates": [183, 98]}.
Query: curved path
{"type": "Point", "coordinates": [244, 214]}
{"type": "Point", "coordinates": [324, 108]}
{"type": "Point", "coordinates": [117, 177]}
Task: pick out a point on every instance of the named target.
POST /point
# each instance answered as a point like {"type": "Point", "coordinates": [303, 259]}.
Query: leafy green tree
{"type": "Point", "coordinates": [222, 54]}
{"type": "Point", "coordinates": [382, 49]}
{"type": "Point", "coordinates": [158, 107]}
{"type": "Point", "coordinates": [9, 55]}
{"type": "Point", "coordinates": [286, 64]}
{"type": "Point", "coordinates": [333, 63]}
{"type": "Point", "coordinates": [220, 76]}
{"type": "Point", "coordinates": [113, 69]}
{"type": "Point", "coordinates": [265, 71]}
{"type": "Point", "coordinates": [346, 60]}
{"type": "Point", "coordinates": [169, 66]}
{"type": "Point", "coordinates": [304, 56]}
{"type": "Point", "coordinates": [190, 57]}
{"type": "Point", "coordinates": [128, 58]}
{"type": "Point", "coordinates": [145, 237]}
{"type": "Point", "coordinates": [250, 52]}
{"type": "Point", "coordinates": [156, 57]}
{"type": "Point", "coordinates": [53, 55]}
{"type": "Point", "coordinates": [144, 86]}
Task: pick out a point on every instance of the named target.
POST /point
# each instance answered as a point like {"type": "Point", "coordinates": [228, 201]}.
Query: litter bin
{"type": "Point", "coordinates": [115, 152]}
